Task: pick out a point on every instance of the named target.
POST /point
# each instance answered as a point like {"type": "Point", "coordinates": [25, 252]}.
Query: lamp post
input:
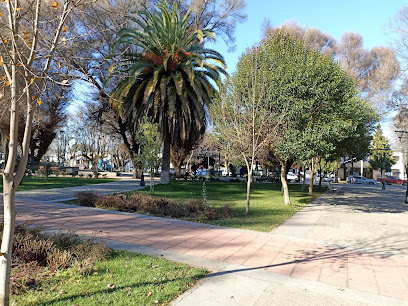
{"type": "Point", "coordinates": [400, 134]}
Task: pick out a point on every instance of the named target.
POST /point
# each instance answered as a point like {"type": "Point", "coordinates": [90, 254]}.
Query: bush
{"type": "Point", "coordinates": [87, 198]}
{"type": "Point", "coordinates": [36, 254]}
{"type": "Point", "coordinates": [81, 175]}
{"type": "Point", "coordinates": [28, 249]}
{"type": "Point", "coordinates": [142, 203]}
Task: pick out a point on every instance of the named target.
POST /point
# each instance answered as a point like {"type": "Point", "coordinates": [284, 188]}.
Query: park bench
{"type": "Point", "coordinates": [331, 188]}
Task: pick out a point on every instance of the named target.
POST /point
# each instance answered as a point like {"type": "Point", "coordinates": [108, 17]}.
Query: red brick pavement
{"type": "Point", "coordinates": [345, 268]}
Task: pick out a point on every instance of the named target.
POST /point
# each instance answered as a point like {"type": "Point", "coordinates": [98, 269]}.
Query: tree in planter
{"type": "Point", "coordinates": [31, 32]}
{"type": "Point", "coordinates": [381, 157]}
{"type": "Point", "coordinates": [150, 143]}
{"type": "Point", "coordinates": [171, 79]}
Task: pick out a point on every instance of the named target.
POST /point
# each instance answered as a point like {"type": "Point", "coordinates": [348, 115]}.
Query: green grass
{"type": "Point", "coordinates": [35, 183]}
{"type": "Point", "coordinates": [137, 280]}
{"type": "Point", "coordinates": [267, 208]}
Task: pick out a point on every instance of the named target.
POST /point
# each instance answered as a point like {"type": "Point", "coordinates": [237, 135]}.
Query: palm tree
{"type": "Point", "coordinates": [170, 77]}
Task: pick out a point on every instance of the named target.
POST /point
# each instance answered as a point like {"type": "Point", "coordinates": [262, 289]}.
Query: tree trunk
{"type": "Point", "coordinates": [304, 178]}
{"type": "Point", "coordinates": [7, 239]}
{"type": "Point", "coordinates": [285, 186]}
{"type": "Point", "coordinates": [312, 171]}
{"type": "Point", "coordinates": [165, 173]}
{"type": "Point", "coordinates": [249, 167]}
{"type": "Point", "coordinates": [320, 174]}
{"type": "Point", "coordinates": [336, 171]}
{"type": "Point", "coordinates": [177, 170]}
{"type": "Point", "coordinates": [95, 168]}
{"type": "Point", "coordinates": [152, 182]}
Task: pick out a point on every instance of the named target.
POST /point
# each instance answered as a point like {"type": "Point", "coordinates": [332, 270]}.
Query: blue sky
{"type": "Point", "coordinates": [368, 18]}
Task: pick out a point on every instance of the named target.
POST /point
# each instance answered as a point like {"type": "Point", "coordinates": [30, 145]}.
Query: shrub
{"type": "Point", "coordinates": [65, 241]}
{"type": "Point", "coordinates": [81, 175]}
{"type": "Point", "coordinates": [87, 198]}
{"type": "Point", "coordinates": [111, 202]}
{"type": "Point", "coordinates": [35, 254]}
{"type": "Point", "coordinates": [104, 175]}
{"type": "Point", "coordinates": [142, 203]}
{"type": "Point", "coordinates": [58, 259]}
{"type": "Point", "coordinates": [28, 249]}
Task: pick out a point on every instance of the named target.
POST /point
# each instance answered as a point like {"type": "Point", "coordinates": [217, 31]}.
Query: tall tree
{"type": "Point", "coordinates": [100, 22]}
{"type": "Point", "coordinates": [172, 79]}
{"type": "Point", "coordinates": [319, 100]}
{"type": "Point", "coordinates": [31, 32]}
{"type": "Point", "coordinates": [219, 16]}
{"type": "Point", "coordinates": [376, 71]}
{"type": "Point", "coordinates": [243, 120]}
{"type": "Point", "coordinates": [381, 157]}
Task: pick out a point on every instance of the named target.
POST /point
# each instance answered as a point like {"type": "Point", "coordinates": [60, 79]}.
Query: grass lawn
{"type": "Point", "coordinates": [125, 279]}
{"type": "Point", "coordinates": [34, 183]}
{"type": "Point", "coordinates": [267, 209]}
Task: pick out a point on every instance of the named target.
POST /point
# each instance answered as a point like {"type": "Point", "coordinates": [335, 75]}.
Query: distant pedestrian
{"type": "Point", "coordinates": [383, 185]}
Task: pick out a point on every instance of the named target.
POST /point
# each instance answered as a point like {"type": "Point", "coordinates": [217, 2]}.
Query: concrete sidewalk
{"type": "Point", "coordinates": [68, 193]}
{"type": "Point", "coordinates": [312, 259]}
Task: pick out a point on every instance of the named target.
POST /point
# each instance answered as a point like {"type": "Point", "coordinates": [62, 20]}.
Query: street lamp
{"type": "Point", "coordinates": [400, 134]}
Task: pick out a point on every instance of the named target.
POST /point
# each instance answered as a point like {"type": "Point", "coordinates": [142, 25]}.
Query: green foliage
{"type": "Point", "coordinates": [148, 137]}
{"type": "Point", "coordinates": [171, 79]}
{"type": "Point", "coordinates": [381, 157]}
{"type": "Point", "coordinates": [319, 101]}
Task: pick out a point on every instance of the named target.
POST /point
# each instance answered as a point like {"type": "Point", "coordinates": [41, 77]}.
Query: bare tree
{"type": "Point", "coordinates": [375, 70]}
{"type": "Point", "coordinates": [30, 34]}
{"type": "Point", "coordinates": [243, 120]}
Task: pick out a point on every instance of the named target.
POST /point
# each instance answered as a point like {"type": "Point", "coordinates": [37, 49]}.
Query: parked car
{"type": "Point", "coordinates": [326, 178]}
{"type": "Point", "coordinates": [358, 179]}
{"type": "Point", "coordinates": [202, 172]}
{"type": "Point", "coordinates": [388, 180]}
{"type": "Point", "coordinates": [291, 176]}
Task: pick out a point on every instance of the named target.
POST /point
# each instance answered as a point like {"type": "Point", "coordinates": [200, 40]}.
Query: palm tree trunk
{"type": "Point", "coordinates": [165, 173]}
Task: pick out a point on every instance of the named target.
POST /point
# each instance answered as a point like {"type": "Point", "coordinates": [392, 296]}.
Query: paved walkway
{"type": "Point", "coordinates": [65, 194]}
{"type": "Point", "coordinates": [350, 248]}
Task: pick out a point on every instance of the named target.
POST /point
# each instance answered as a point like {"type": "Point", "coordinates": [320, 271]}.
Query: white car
{"type": "Point", "coordinates": [291, 176]}
{"type": "Point", "coordinates": [358, 179]}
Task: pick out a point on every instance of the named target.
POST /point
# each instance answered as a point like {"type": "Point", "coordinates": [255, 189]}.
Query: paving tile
{"type": "Point", "coordinates": [361, 277]}
{"type": "Point", "coordinates": [262, 257]}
